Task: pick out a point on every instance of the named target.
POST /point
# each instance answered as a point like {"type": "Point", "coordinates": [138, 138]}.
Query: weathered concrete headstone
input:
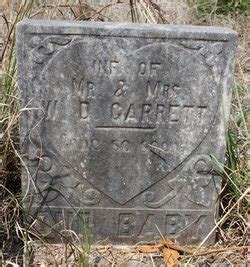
{"type": "Point", "coordinates": [117, 125]}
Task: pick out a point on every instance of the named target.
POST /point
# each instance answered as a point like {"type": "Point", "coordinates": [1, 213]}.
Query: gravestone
{"type": "Point", "coordinates": [117, 124]}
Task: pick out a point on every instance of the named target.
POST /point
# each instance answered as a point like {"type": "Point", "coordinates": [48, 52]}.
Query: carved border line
{"type": "Point", "coordinates": [163, 38]}
{"type": "Point", "coordinates": [127, 209]}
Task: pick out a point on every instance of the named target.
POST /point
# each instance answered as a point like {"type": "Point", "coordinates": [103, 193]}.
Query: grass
{"type": "Point", "coordinates": [18, 234]}
{"type": "Point", "coordinates": [224, 7]}
{"type": "Point", "coordinates": [235, 173]}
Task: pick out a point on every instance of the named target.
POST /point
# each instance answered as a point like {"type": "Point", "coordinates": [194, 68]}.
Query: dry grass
{"type": "Point", "coordinates": [232, 230]}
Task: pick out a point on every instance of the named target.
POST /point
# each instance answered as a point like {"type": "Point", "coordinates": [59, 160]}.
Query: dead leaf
{"type": "Point", "coordinates": [165, 241]}
{"type": "Point", "coordinates": [168, 243]}
{"type": "Point", "coordinates": [150, 249]}
{"type": "Point", "coordinates": [170, 257]}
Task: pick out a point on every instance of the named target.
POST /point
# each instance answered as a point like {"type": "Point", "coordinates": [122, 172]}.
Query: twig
{"type": "Point", "coordinates": [179, 248]}
{"type": "Point", "coordinates": [216, 251]}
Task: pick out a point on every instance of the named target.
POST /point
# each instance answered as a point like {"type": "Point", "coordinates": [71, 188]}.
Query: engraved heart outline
{"type": "Point", "coordinates": [79, 170]}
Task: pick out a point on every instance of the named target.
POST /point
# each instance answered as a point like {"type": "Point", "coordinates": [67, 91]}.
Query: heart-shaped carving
{"type": "Point", "coordinates": [124, 120]}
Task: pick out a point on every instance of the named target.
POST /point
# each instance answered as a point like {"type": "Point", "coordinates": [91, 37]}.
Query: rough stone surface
{"type": "Point", "coordinates": [117, 125]}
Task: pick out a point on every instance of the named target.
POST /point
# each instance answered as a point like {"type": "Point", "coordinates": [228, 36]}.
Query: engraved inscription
{"type": "Point", "coordinates": [158, 113]}
{"type": "Point", "coordinates": [148, 228]}
{"type": "Point", "coordinates": [129, 114]}
{"type": "Point", "coordinates": [126, 225]}
{"type": "Point", "coordinates": [149, 68]}
{"type": "Point", "coordinates": [84, 107]}
{"type": "Point", "coordinates": [121, 146]}
{"type": "Point", "coordinates": [85, 90]}
{"type": "Point", "coordinates": [121, 89]}
{"type": "Point", "coordinates": [104, 67]}
{"type": "Point", "coordinates": [144, 226]}
{"type": "Point", "coordinates": [174, 223]}
{"type": "Point", "coordinates": [63, 219]}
